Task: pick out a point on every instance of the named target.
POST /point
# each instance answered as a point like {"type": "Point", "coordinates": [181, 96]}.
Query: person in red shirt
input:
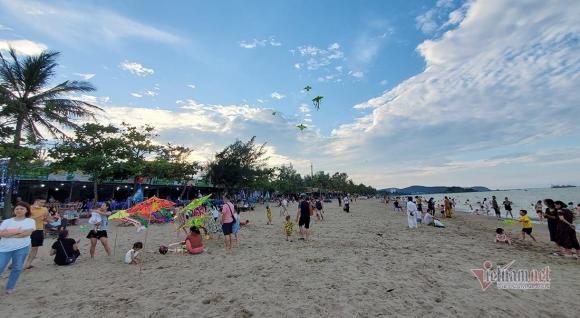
{"type": "Point", "coordinates": [194, 241]}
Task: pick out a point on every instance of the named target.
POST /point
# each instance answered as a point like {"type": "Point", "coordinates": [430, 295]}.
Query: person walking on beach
{"type": "Point", "coordinates": [284, 207]}
{"type": "Point", "coordinates": [411, 213]}
{"type": "Point", "coordinates": [538, 207]}
{"type": "Point", "coordinates": [39, 214]}
{"type": "Point", "coordinates": [526, 225]}
{"type": "Point", "coordinates": [99, 231]}
{"type": "Point", "coordinates": [303, 219]}
{"type": "Point", "coordinates": [507, 204]}
{"type": "Point", "coordinates": [15, 242]}
{"type": "Point", "coordinates": [431, 206]}
{"type": "Point", "coordinates": [495, 207]}
{"type": "Point", "coordinates": [486, 206]}
{"type": "Point", "coordinates": [346, 201]}
{"type": "Point", "coordinates": [447, 206]}
{"type": "Point", "coordinates": [227, 222]}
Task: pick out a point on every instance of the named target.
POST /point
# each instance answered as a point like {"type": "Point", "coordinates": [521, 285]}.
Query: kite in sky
{"type": "Point", "coordinates": [307, 88]}
{"type": "Point", "coordinates": [316, 101]}
{"type": "Point", "coordinates": [301, 127]}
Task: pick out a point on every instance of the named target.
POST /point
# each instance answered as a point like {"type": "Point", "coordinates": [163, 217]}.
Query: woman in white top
{"type": "Point", "coordinates": [15, 242]}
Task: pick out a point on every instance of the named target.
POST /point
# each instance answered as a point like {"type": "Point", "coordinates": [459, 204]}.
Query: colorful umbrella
{"type": "Point", "coordinates": [197, 202]}
{"type": "Point", "coordinates": [119, 215]}
{"type": "Point", "coordinates": [149, 206]}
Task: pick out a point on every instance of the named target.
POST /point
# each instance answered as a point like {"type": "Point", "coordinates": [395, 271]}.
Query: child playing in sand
{"type": "Point", "coordinates": [193, 244]}
{"type": "Point", "coordinates": [288, 228]}
{"type": "Point", "coordinates": [132, 257]}
{"type": "Point", "coordinates": [502, 237]}
{"type": "Point", "coordinates": [95, 219]}
{"type": "Point", "coordinates": [268, 214]}
{"type": "Point", "coordinates": [442, 209]}
{"type": "Point", "coordinates": [526, 225]}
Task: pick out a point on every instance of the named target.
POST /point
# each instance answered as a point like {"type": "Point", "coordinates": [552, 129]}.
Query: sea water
{"type": "Point", "coordinates": [521, 199]}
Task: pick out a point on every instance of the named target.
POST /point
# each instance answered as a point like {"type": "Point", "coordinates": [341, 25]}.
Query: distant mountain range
{"type": "Point", "coordinates": [416, 189]}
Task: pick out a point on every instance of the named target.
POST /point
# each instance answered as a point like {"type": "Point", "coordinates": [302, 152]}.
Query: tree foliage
{"type": "Point", "coordinates": [240, 165]}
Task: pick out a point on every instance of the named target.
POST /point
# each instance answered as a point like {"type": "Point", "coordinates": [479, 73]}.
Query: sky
{"type": "Point", "coordinates": [440, 92]}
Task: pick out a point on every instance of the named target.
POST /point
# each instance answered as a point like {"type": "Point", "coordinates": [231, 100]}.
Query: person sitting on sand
{"type": "Point", "coordinates": [502, 237]}
{"type": "Point", "coordinates": [65, 249]}
{"type": "Point", "coordinates": [133, 256]}
{"type": "Point", "coordinates": [526, 225]}
{"type": "Point", "coordinates": [429, 219]}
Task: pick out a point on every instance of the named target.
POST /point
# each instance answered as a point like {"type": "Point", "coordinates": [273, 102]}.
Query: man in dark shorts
{"type": "Point", "coordinates": [495, 207]}
{"type": "Point", "coordinates": [303, 219]}
{"type": "Point", "coordinates": [39, 214]}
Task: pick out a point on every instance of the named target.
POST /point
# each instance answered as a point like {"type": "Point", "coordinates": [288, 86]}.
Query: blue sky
{"type": "Point", "coordinates": [443, 92]}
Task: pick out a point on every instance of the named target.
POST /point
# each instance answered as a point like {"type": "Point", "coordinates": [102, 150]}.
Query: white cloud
{"type": "Point", "coordinates": [255, 43]}
{"type": "Point", "coordinates": [497, 80]}
{"type": "Point", "coordinates": [25, 47]}
{"type": "Point", "coordinates": [277, 95]}
{"type": "Point", "coordinates": [85, 76]}
{"type": "Point", "coordinates": [316, 58]}
{"type": "Point", "coordinates": [356, 74]}
{"type": "Point", "coordinates": [384, 82]}
{"type": "Point", "coordinates": [191, 86]}
{"type": "Point", "coordinates": [297, 65]}
{"type": "Point", "coordinates": [261, 101]}
{"type": "Point", "coordinates": [135, 94]}
{"type": "Point", "coordinates": [434, 19]}
{"type": "Point", "coordinates": [304, 108]}
{"type": "Point", "coordinates": [136, 68]}
{"type": "Point", "coordinates": [5, 28]}
{"type": "Point", "coordinates": [78, 23]}
{"type": "Point", "coordinates": [151, 93]}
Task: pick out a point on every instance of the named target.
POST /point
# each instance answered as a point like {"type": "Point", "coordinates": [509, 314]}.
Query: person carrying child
{"type": "Point", "coordinates": [133, 256]}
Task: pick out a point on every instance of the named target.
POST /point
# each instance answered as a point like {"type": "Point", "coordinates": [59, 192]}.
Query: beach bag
{"type": "Point", "coordinates": [69, 259]}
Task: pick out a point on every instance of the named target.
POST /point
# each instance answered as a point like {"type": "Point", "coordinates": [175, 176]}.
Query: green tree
{"type": "Point", "coordinates": [96, 150]}
{"type": "Point", "coordinates": [173, 163]}
{"type": "Point", "coordinates": [238, 166]}
{"type": "Point", "coordinates": [30, 106]}
{"type": "Point", "coordinates": [287, 180]}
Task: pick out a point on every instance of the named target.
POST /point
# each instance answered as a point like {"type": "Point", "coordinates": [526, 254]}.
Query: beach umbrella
{"type": "Point", "coordinates": [196, 203]}
{"type": "Point", "coordinates": [145, 209]}
{"type": "Point", "coordinates": [149, 206]}
{"type": "Point", "coordinates": [118, 215]}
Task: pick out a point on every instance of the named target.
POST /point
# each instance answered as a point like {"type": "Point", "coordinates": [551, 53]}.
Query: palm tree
{"type": "Point", "coordinates": [30, 107]}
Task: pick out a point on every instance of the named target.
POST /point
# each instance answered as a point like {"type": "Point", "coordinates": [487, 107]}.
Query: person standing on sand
{"type": "Point", "coordinates": [303, 219]}
{"type": "Point", "coordinates": [15, 243]}
{"type": "Point", "coordinates": [538, 207]}
{"type": "Point", "coordinates": [566, 232]}
{"type": "Point", "coordinates": [431, 206]}
{"type": "Point", "coordinates": [339, 201]}
{"type": "Point", "coordinates": [99, 232]}
{"type": "Point", "coordinates": [346, 201]}
{"type": "Point", "coordinates": [39, 214]}
{"type": "Point", "coordinates": [411, 213]}
{"type": "Point", "coordinates": [227, 222]}
{"type": "Point", "coordinates": [551, 215]}
{"type": "Point", "coordinates": [447, 206]}
{"type": "Point", "coordinates": [495, 207]}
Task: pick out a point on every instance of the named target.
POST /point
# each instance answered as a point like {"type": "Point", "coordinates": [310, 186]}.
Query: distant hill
{"type": "Point", "coordinates": [416, 189]}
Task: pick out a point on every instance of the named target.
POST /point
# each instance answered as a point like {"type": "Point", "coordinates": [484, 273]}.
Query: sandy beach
{"type": "Point", "coordinates": [363, 264]}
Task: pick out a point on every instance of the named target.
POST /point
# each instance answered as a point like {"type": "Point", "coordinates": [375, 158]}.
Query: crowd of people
{"type": "Point", "coordinates": [559, 215]}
